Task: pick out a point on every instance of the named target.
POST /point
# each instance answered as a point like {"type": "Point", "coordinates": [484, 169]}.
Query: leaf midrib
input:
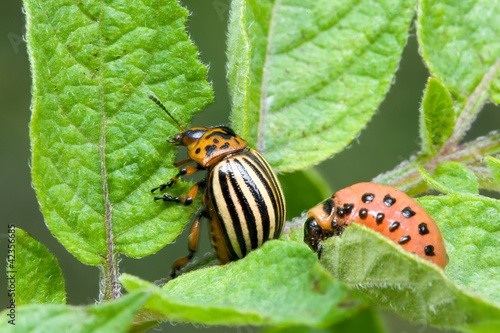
{"type": "Point", "coordinates": [111, 277]}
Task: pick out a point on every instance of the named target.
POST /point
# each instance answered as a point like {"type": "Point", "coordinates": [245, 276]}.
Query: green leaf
{"type": "Point", "coordinates": [452, 177]}
{"type": "Point", "coordinates": [367, 320]}
{"type": "Point", "coordinates": [406, 284]}
{"type": "Point", "coordinates": [458, 43]}
{"type": "Point", "coordinates": [437, 117]}
{"type": "Point", "coordinates": [303, 190]}
{"type": "Point", "coordinates": [471, 227]}
{"type": "Point", "coordinates": [281, 283]}
{"type": "Point", "coordinates": [494, 166]}
{"type": "Point", "coordinates": [98, 142]}
{"type": "Point", "coordinates": [113, 316]}
{"type": "Point", "coordinates": [33, 262]}
{"type": "Point", "coordinates": [306, 77]}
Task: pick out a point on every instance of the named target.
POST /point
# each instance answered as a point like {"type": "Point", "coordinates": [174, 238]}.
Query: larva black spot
{"type": "Point", "coordinates": [429, 250]}
{"type": "Point", "coordinates": [197, 151]}
{"type": "Point", "coordinates": [394, 226]}
{"type": "Point", "coordinates": [422, 229]}
{"type": "Point", "coordinates": [363, 213]}
{"type": "Point", "coordinates": [224, 146]}
{"type": "Point", "coordinates": [216, 141]}
{"type": "Point", "coordinates": [367, 197]}
{"type": "Point", "coordinates": [348, 208]}
{"type": "Point", "coordinates": [404, 239]}
{"type": "Point", "coordinates": [389, 201]}
{"type": "Point", "coordinates": [379, 218]}
{"type": "Point", "coordinates": [328, 206]}
{"type": "Point", "coordinates": [340, 212]}
{"type": "Point", "coordinates": [408, 212]}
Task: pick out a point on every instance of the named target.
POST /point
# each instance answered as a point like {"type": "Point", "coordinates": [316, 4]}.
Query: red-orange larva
{"type": "Point", "coordinates": [381, 208]}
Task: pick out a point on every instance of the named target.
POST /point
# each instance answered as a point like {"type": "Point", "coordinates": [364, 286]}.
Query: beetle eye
{"type": "Point", "coordinates": [190, 136]}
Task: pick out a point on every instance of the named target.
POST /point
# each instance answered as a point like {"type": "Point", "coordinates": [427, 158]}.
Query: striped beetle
{"type": "Point", "coordinates": [243, 199]}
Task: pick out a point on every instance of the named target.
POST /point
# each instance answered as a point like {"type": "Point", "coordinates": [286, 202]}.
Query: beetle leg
{"type": "Point", "coordinates": [185, 199]}
{"type": "Point", "coordinates": [192, 245]}
{"type": "Point", "coordinates": [189, 170]}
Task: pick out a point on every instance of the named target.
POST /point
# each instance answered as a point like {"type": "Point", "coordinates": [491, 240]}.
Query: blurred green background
{"type": "Point", "coordinates": [395, 124]}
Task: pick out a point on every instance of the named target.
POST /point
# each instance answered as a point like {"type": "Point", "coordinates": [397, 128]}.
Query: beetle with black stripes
{"type": "Point", "coordinates": [242, 197]}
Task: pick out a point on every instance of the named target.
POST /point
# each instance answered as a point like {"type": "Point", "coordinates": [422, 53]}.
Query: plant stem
{"type": "Point", "coordinates": [406, 176]}
{"type": "Point", "coordinates": [110, 287]}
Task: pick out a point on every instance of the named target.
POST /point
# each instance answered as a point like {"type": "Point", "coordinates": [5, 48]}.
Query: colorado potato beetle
{"type": "Point", "coordinates": [383, 209]}
{"type": "Point", "coordinates": [242, 197]}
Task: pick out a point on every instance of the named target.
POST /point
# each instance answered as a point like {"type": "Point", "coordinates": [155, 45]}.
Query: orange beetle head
{"type": "Point", "coordinates": [208, 145]}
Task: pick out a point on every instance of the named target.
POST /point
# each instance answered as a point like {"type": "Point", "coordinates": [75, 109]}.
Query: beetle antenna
{"type": "Point", "coordinates": [157, 101]}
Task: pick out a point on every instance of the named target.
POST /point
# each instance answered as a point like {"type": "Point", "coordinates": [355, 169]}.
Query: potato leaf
{"type": "Point", "coordinates": [458, 40]}
{"type": "Point", "coordinates": [113, 316]}
{"type": "Point", "coordinates": [451, 177]}
{"type": "Point", "coordinates": [306, 77]}
{"type": "Point", "coordinates": [37, 275]}
{"type": "Point", "coordinates": [281, 283]}
{"type": "Point", "coordinates": [98, 142]}
{"type": "Point", "coordinates": [437, 117]}
{"type": "Point", "coordinates": [494, 166]}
